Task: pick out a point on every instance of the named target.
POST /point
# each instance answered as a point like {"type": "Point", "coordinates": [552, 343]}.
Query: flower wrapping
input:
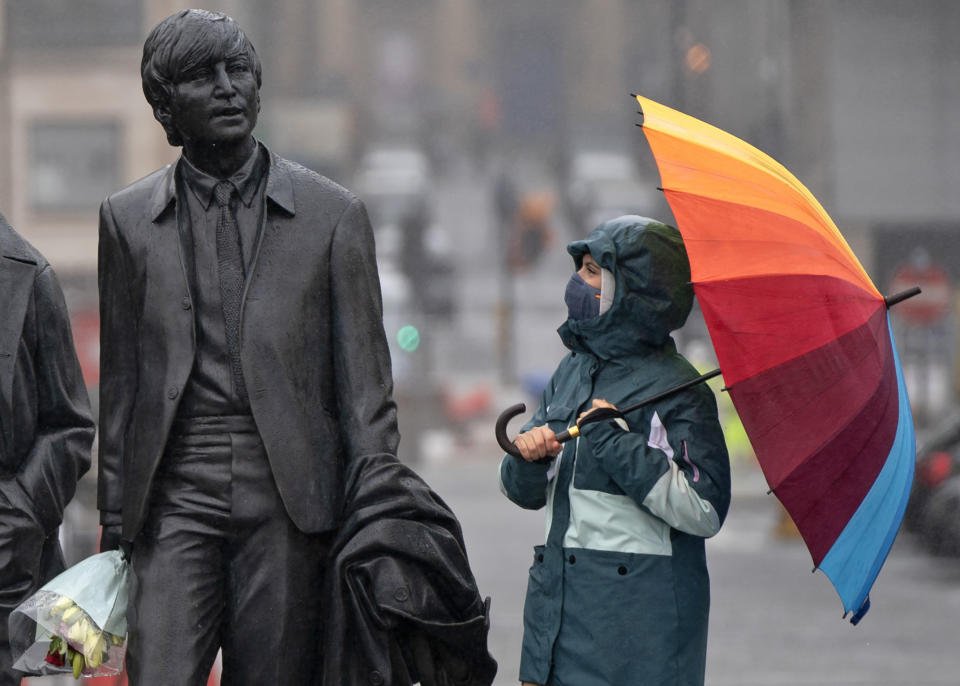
{"type": "Point", "coordinates": [81, 618]}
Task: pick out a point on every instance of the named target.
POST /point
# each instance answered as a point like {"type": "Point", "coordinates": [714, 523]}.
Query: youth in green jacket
{"type": "Point", "coordinates": [619, 594]}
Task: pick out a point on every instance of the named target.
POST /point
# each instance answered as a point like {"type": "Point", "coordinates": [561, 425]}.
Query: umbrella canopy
{"type": "Point", "coordinates": [804, 342]}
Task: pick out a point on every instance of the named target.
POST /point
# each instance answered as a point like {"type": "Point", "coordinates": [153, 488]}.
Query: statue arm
{"type": "Point", "coordinates": [118, 367]}
{"type": "Point", "coordinates": [60, 453]}
{"type": "Point", "coordinates": [362, 368]}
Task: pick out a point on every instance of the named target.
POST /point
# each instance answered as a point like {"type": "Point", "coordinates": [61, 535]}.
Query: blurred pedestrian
{"type": "Point", "coordinates": [532, 232]}
{"type": "Point", "coordinates": [46, 430]}
{"type": "Point", "coordinates": [505, 204]}
{"type": "Point", "coordinates": [619, 593]}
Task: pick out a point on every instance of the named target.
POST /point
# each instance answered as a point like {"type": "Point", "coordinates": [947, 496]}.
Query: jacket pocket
{"type": "Point", "coordinates": [620, 620]}
{"type": "Point", "coordinates": [12, 495]}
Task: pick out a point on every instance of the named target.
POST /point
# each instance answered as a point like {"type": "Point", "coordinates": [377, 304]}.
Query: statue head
{"type": "Point", "coordinates": [202, 78]}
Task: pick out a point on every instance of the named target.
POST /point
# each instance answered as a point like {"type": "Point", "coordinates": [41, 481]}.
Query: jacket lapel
{"type": "Point", "coordinates": [280, 185]}
{"type": "Point", "coordinates": [17, 273]}
{"type": "Point", "coordinates": [278, 194]}
{"type": "Point", "coordinates": [167, 218]}
{"type": "Point", "coordinates": [164, 193]}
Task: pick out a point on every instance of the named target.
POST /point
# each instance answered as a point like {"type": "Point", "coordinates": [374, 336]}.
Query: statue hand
{"type": "Point", "coordinates": [110, 537]}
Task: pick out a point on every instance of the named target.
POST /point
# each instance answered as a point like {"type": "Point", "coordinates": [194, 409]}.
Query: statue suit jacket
{"type": "Point", "coordinates": [314, 355]}
{"type": "Point", "coordinates": [46, 428]}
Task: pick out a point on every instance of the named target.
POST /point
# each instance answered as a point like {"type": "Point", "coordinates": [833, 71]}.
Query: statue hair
{"type": "Point", "coordinates": [181, 42]}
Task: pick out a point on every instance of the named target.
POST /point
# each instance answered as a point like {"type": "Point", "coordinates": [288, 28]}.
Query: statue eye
{"type": "Point", "coordinates": [198, 74]}
{"type": "Point", "coordinates": [237, 65]}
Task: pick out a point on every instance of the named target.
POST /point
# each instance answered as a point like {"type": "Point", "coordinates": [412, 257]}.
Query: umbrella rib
{"type": "Point", "coordinates": [735, 148]}
{"type": "Point", "coordinates": [798, 199]}
{"type": "Point", "coordinates": [839, 478]}
{"type": "Point", "coordinates": [845, 267]}
{"type": "Point", "coordinates": [836, 381]}
{"type": "Point", "coordinates": [819, 213]}
{"type": "Point", "coordinates": [852, 266]}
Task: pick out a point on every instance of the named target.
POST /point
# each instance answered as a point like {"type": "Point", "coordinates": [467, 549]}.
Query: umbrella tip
{"type": "Point", "coordinates": [892, 300]}
{"type": "Point", "coordinates": [858, 615]}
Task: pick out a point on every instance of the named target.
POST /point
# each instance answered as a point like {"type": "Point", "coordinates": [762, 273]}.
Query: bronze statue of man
{"type": "Point", "coordinates": [46, 430]}
{"type": "Point", "coordinates": [243, 364]}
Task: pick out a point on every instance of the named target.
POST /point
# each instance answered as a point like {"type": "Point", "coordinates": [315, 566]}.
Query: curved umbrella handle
{"type": "Point", "coordinates": [596, 415]}
{"type": "Point", "coordinates": [500, 429]}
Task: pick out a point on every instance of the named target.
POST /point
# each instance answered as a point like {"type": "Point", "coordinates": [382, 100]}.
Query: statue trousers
{"type": "Point", "coordinates": [219, 564]}
{"type": "Point", "coordinates": [28, 558]}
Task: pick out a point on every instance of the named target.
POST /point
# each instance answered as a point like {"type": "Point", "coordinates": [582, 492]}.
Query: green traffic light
{"type": "Point", "coordinates": [409, 338]}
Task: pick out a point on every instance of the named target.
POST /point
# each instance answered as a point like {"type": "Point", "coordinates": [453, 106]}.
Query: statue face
{"type": "Point", "coordinates": [215, 102]}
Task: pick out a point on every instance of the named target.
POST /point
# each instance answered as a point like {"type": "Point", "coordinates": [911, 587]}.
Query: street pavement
{"type": "Point", "coordinates": [772, 623]}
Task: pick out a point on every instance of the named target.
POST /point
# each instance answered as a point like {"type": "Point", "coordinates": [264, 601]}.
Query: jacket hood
{"type": "Point", "coordinates": [653, 294]}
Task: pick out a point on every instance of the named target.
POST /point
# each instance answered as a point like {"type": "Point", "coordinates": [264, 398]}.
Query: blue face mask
{"type": "Point", "coordinates": [583, 300]}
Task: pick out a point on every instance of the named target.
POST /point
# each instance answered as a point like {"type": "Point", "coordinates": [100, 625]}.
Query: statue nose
{"type": "Point", "coordinates": [222, 79]}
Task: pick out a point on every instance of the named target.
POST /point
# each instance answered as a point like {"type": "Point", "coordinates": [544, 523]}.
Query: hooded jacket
{"type": "Point", "coordinates": [619, 592]}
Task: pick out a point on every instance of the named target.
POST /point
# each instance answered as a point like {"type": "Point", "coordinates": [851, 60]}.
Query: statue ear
{"type": "Point", "coordinates": [162, 115]}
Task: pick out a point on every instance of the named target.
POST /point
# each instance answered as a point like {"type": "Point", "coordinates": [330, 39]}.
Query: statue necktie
{"type": "Point", "coordinates": [230, 266]}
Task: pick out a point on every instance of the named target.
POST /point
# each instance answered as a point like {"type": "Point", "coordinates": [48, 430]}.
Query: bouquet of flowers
{"type": "Point", "coordinates": [81, 620]}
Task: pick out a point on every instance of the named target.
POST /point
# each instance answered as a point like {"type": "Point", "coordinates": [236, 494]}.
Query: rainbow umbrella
{"type": "Point", "coordinates": [804, 342]}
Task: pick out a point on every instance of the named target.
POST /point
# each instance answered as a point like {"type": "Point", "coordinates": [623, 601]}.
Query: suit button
{"type": "Point", "coordinates": [540, 557]}
{"type": "Point", "coordinates": [376, 678]}
{"type": "Point", "coordinates": [185, 303]}
{"type": "Point", "coordinates": [401, 594]}
{"type": "Point", "coordinates": [172, 392]}
{"type": "Point", "coordinates": [621, 570]}
{"type": "Point", "coordinates": [572, 559]}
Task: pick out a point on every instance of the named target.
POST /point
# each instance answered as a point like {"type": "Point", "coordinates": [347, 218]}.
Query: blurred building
{"type": "Point", "coordinates": [838, 91]}
{"type": "Point", "coordinates": [856, 98]}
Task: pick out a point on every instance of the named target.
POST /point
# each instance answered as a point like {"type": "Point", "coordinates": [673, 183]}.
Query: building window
{"type": "Point", "coordinates": [72, 165]}
{"type": "Point", "coordinates": [52, 24]}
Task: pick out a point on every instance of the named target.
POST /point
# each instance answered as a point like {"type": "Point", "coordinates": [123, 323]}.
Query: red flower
{"type": "Point", "coordinates": [56, 659]}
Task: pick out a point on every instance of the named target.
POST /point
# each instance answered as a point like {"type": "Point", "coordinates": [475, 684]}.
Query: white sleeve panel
{"type": "Point", "coordinates": [673, 499]}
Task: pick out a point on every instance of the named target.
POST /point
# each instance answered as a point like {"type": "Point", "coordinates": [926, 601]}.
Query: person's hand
{"type": "Point", "coordinates": [597, 403]}
{"type": "Point", "coordinates": [538, 443]}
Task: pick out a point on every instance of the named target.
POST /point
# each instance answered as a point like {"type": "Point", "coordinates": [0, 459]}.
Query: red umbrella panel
{"type": "Point", "coordinates": [804, 342]}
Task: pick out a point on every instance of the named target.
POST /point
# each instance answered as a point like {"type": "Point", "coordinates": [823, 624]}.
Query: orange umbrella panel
{"type": "Point", "coordinates": [761, 215]}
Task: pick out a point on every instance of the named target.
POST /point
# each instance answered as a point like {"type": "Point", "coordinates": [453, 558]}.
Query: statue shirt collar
{"type": "Point", "coordinates": [279, 187]}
